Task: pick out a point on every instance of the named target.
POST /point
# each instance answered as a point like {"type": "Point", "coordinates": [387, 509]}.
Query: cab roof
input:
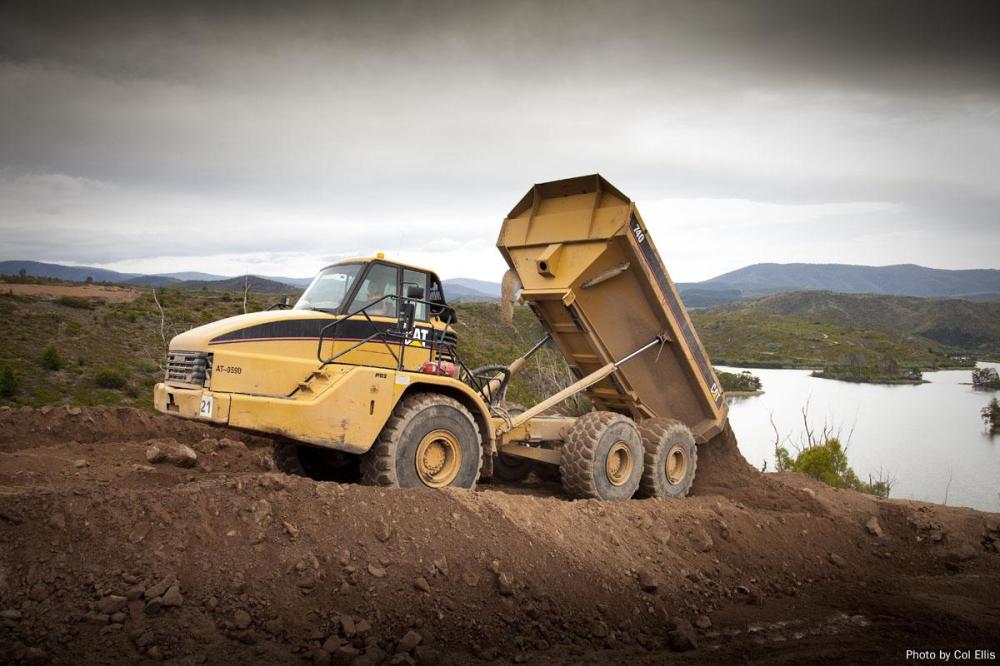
{"type": "Point", "coordinates": [368, 260]}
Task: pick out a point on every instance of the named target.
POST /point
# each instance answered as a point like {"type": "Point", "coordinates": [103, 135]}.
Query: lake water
{"type": "Point", "coordinates": [918, 434]}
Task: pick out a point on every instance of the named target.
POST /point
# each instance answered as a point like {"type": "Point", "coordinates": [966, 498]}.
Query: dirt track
{"type": "Point", "coordinates": [99, 292]}
{"type": "Point", "coordinates": [254, 565]}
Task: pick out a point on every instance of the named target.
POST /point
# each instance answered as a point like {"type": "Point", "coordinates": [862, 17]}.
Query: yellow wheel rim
{"type": "Point", "coordinates": [439, 458]}
{"type": "Point", "coordinates": [620, 463]}
{"type": "Point", "coordinates": [677, 465]}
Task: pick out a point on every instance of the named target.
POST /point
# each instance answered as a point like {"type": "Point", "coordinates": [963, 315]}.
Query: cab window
{"type": "Point", "coordinates": [416, 279]}
{"type": "Point", "coordinates": [330, 288]}
{"type": "Point", "coordinates": [380, 280]}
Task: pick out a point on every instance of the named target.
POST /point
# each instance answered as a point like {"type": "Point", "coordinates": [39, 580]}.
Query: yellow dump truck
{"type": "Point", "coordinates": [364, 372]}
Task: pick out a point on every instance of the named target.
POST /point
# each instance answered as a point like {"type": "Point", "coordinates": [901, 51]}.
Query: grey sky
{"type": "Point", "coordinates": [274, 137]}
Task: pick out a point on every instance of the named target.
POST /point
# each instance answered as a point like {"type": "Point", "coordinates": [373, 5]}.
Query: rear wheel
{"type": "Point", "coordinates": [430, 441]}
{"type": "Point", "coordinates": [671, 458]}
{"type": "Point", "coordinates": [602, 457]}
{"type": "Point", "coordinates": [511, 469]}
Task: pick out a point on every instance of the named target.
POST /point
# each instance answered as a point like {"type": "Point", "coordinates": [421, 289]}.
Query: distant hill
{"type": "Point", "coordinates": [955, 323]}
{"type": "Point", "coordinates": [467, 290]}
{"type": "Point", "coordinates": [60, 272]}
{"type": "Point", "coordinates": [489, 289]}
{"type": "Point", "coordinates": [900, 280]}
{"type": "Point", "coordinates": [257, 285]}
{"type": "Point", "coordinates": [152, 281]}
{"type": "Point", "coordinates": [456, 289]}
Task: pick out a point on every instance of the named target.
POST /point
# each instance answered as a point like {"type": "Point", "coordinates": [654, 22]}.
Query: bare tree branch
{"type": "Point", "coordinates": [246, 290]}
{"type": "Point", "coordinates": [163, 324]}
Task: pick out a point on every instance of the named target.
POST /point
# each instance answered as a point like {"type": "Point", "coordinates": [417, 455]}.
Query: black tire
{"type": "Point", "coordinates": [667, 441]}
{"type": "Point", "coordinates": [599, 447]}
{"type": "Point", "coordinates": [511, 469]}
{"type": "Point", "coordinates": [547, 472]}
{"type": "Point", "coordinates": [286, 459]}
{"type": "Point", "coordinates": [316, 463]}
{"type": "Point", "coordinates": [392, 460]}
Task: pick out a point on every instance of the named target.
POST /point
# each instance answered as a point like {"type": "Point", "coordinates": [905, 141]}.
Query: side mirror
{"type": "Point", "coordinates": [407, 316]}
{"type": "Point", "coordinates": [413, 291]}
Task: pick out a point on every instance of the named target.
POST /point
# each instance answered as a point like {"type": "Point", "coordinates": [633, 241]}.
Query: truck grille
{"type": "Point", "coordinates": [185, 367]}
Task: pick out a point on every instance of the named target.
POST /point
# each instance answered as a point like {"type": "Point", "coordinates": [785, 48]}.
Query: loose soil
{"type": "Point", "coordinates": [98, 292]}
{"type": "Point", "coordinates": [106, 558]}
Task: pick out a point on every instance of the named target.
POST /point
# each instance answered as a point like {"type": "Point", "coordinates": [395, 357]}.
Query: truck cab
{"type": "Point", "coordinates": [327, 371]}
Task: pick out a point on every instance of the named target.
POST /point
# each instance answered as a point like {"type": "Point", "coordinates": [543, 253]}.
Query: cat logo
{"type": "Point", "coordinates": [715, 391]}
{"type": "Point", "coordinates": [418, 337]}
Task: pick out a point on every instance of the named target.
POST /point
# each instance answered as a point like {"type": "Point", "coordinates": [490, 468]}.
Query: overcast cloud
{"type": "Point", "coordinates": [275, 137]}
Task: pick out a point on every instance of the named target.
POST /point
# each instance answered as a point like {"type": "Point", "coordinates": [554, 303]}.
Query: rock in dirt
{"type": "Point", "coordinates": [81, 463]}
{"type": "Point", "coordinates": [160, 588]}
{"type": "Point", "coordinates": [682, 638]}
{"type": "Point", "coordinates": [242, 619]}
{"type": "Point", "coordinates": [172, 597]}
{"type": "Point", "coordinates": [344, 655]}
{"type": "Point", "coordinates": [505, 584]}
{"type": "Point", "coordinates": [376, 571]}
{"type": "Point", "coordinates": [36, 655]}
{"type": "Point", "coordinates": [409, 641]}
{"type": "Point", "coordinates": [703, 622]}
{"type": "Point", "coordinates": [38, 592]}
{"type": "Point", "coordinates": [647, 583]}
{"type": "Point", "coordinates": [179, 455]}
{"type": "Point", "coordinates": [599, 630]}
{"type": "Point", "coordinates": [421, 584]}
{"type": "Point", "coordinates": [111, 604]}
{"type": "Point", "coordinates": [873, 527]}
{"type": "Point", "coordinates": [383, 531]}
{"type": "Point", "coordinates": [961, 553]}
{"type": "Point", "coordinates": [837, 560]}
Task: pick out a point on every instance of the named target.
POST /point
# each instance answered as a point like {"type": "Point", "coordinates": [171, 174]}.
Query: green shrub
{"type": "Point", "coordinates": [111, 378]}
{"type": "Point", "coordinates": [8, 383]}
{"type": "Point", "coordinates": [827, 462]}
{"type": "Point", "coordinates": [743, 381]}
{"type": "Point", "coordinates": [51, 359]}
{"type": "Point", "coordinates": [75, 302]}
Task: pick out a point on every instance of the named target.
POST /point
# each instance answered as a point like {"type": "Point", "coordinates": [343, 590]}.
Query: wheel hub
{"type": "Point", "coordinates": [677, 465]}
{"type": "Point", "coordinates": [619, 464]}
{"type": "Point", "coordinates": [439, 458]}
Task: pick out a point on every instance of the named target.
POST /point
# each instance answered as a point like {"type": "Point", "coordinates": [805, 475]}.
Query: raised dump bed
{"type": "Point", "coordinates": [593, 277]}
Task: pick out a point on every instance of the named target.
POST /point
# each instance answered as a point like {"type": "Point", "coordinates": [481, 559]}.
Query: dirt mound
{"type": "Point", "coordinates": [108, 557]}
{"type": "Point", "coordinates": [27, 427]}
{"type": "Point", "coordinates": [722, 470]}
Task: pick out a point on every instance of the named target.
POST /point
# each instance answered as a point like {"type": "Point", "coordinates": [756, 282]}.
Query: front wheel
{"type": "Point", "coordinates": [602, 457]}
{"type": "Point", "coordinates": [430, 441]}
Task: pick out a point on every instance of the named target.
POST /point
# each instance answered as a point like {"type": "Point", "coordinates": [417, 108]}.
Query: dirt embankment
{"type": "Point", "coordinates": [107, 557]}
